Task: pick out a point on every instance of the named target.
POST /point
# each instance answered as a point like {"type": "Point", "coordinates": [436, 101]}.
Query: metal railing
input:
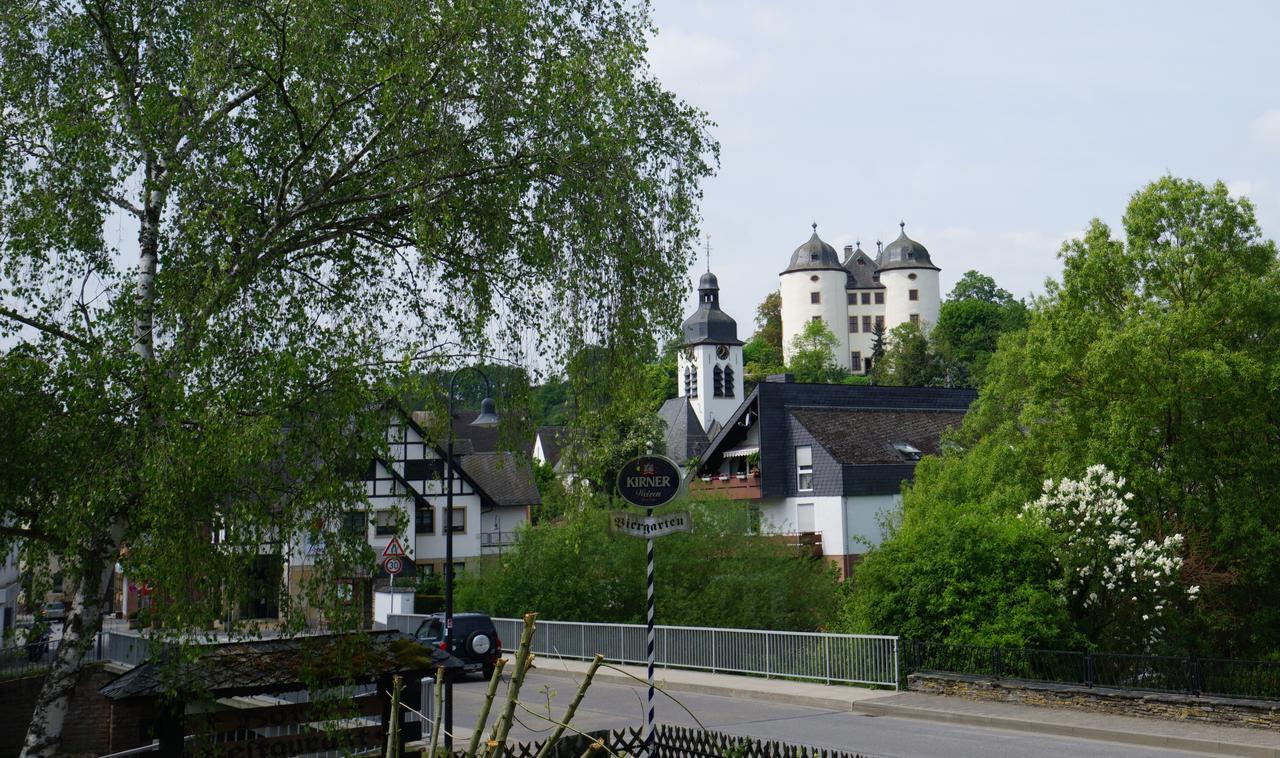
{"type": "Point", "coordinates": [34, 657]}
{"type": "Point", "coordinates": [1152, 673]}
{"type": "Point", "coordinates": [845, 658]}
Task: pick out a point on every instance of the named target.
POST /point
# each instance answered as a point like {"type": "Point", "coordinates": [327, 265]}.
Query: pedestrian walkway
{"type": "Point", "coordinates": [1149, 732]}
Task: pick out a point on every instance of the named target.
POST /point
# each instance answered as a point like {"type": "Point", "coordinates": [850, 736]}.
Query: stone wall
{"type": "Point", "coordinates": [94, 725]}
{"type": "Point", "coordinates": [1217, 710]}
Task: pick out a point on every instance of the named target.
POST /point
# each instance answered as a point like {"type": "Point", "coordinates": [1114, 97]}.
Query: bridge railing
{"type": "Point", "coordinates": [846, 658]}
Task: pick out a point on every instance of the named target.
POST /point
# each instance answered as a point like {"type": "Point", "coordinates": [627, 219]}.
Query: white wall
{"type": "Point", "coordinates": [706, 405]}
{"type": "Point", "coordinates": [897, 302]}
{"type": "Point", "coordinates": [780, 517]}
{"type": "Point", "coordinates": [797, 310]}
{"type": "Point", "coordinates": [862, 341]}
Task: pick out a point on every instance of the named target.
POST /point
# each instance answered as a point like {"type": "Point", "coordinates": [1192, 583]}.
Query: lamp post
{"type": "Point", "coordinates": [488, 418]}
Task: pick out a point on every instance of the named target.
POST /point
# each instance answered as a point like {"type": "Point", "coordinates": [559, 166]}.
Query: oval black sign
{"type": "Point", "coordinates": [649, 481]}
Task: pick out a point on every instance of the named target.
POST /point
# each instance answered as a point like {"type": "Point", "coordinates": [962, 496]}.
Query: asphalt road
{"type": "Point", "coordinates": [613, 706]}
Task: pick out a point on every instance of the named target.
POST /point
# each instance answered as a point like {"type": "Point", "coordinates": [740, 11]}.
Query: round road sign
{"type": "Point", "coordinates": [394, 565]}
{"type": "Point", "coordinates": [649, 481]}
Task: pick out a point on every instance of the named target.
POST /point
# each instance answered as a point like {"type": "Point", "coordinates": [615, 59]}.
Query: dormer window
{"type": "Point", "coordinates": [907, 451]}
{"type": "Point", "coordinates": [813, 257]}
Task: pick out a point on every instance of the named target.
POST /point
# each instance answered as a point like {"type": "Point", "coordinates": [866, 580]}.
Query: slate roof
{"type": "Point", "coordinates": [905, 252]}
{"type": "Point", "coordinates": [504, 478]}
{"type": "Point", "coordinates": [279, 665]}
{"type": "Point", "coordinates": [862, 436]}
{"type": "Point", "coordinates": [709, 324]}
{"type": "Point", "coordinates": [861, 275]}
{"type": "Point", "coordinates": [683, 435]}
{"type": "Point", "coordinates": [814, 255]}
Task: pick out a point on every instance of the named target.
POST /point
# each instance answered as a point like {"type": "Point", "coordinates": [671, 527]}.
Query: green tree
{"type": "Point", "coordinates": [324, 196]}
{"type": "Point", "coordinates": [573, 569]}
{"type": "Point", "coordinates": [762, 354]}
{"type": "Point", "coordinates": [909, 360]}
{"type": "Point", "coordinates": [1155, 357]}
{"type": "Point", "coordinates": [969, 326]}
{"type": "Point", "coordinates": [813, 358]}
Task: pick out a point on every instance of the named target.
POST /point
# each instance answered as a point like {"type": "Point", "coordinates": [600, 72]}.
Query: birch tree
{"type": "Point", "coordinates": [224, 227]}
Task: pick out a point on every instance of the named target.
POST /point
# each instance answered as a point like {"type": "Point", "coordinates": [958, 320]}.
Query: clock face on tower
{"type": "Point", "coordinates": [722, 352]}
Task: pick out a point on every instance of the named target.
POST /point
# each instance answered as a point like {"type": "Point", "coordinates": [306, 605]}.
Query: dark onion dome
{"type": "Point", "coordinates": [904, 252]}
{"type": "Point", "coordinates": [814, 255]}
{"type": "Point", "coordinates": [709, 324]}
{"type": "Point", "coordinates": [862, 270]}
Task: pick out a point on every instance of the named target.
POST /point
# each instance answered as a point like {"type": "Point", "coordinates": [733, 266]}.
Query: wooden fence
{"type": "Point", "coordinates": [677, 742]}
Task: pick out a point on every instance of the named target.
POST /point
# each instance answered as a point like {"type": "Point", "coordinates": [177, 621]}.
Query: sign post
{"type": "Point", "coordinates": [649, 481]}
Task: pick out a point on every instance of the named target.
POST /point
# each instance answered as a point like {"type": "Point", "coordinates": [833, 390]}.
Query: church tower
{"type": "Point", "coordinates": [709, 373]}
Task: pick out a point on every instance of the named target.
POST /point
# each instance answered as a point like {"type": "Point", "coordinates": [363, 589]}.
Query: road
{"type": "Point", "coordinates": [613, 706]}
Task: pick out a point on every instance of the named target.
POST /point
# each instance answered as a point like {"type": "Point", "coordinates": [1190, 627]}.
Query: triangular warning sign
{"type": "Point", "coordinates": [393, 549]}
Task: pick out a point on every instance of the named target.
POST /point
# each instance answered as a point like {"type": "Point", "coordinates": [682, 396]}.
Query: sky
{"type": "Point", "coordinates": [995, 130]}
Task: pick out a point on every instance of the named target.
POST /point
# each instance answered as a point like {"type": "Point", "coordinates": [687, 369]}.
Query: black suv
{"type": "Point", "coordinates": [475, 640]}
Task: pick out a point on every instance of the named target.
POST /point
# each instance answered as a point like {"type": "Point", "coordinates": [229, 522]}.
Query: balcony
{"type": "Point", "coordinates": [496, 540]}
{"type": "Point", "coordinates": [807, 544]}
{"type": "Point", "coordinates": [731, 486]}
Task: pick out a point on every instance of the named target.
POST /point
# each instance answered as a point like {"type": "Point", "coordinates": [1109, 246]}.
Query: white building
{"type": "Point", "coordinates": [10, 586]}
{"type": "Point", "coordinates": [859, 295]}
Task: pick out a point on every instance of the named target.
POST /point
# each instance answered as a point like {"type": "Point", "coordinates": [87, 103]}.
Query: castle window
{"type": "Point", "coordinates": [717, 382]}
{"type": "Point", "coordinates": [912, 277]}
{"type": "Point", "coordinates": [855, 361]}
{"type": "Point", "coordinates": [913, 294]}
{"type": "Point", "coordinates": [851, 298]}
{"type": "Point", "coordinates": [816, 318]}
{"type": "Point", "coordinates": [815, 297]}
{"type": "Point", "coordinates": [866, 365]}
{"type": "Point", "coordinates": [866, 323]}
{"type": "Point", "coordinates": [915, 319]}
{"type": "Point", "coordinates": [853, 323]}
{"type": "Point", "coordinates": [880, 323]}
{"type": "Point", "coordinates": [728, 381]}
{"type": "Point", "coordinates": [866, 298]}
{"type": "Point", "coordinates": [879, 298]}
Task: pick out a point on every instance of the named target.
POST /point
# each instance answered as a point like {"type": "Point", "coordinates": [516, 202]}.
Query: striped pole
{"type": "Point", "coordinates": [650, 525]}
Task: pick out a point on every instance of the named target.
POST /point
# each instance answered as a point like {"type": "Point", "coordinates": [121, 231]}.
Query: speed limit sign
{"type": "Point", "coordinates": [394, 565]}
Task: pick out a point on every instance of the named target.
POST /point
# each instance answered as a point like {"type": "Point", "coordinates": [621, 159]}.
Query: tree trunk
{"type": "Point", "coordinates": [97, 562]}
{"type": "Point", "coordinates": [84, 621]}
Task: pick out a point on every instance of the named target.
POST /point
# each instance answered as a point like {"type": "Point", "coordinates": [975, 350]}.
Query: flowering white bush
{"type": "Point", "coordinates": [1121, 584]}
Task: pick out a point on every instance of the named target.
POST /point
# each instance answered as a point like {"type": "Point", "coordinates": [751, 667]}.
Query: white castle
{"type": "Point", "coordinates": [856, 296]}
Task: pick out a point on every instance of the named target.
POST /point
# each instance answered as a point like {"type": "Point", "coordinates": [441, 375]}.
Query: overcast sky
{"type": "Point", "coordinates": [994, 129]}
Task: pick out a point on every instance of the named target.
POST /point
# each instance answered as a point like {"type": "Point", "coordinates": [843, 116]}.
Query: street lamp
{"type": "Point", "coordinates": [488, 418]}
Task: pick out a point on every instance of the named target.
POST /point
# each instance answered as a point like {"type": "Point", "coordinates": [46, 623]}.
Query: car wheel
{"type": "Point", "coordinates": [479, 644]}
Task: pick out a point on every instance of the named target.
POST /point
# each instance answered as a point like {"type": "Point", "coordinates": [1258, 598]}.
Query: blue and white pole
{"type": "Point", "coordinates": [650, 526]}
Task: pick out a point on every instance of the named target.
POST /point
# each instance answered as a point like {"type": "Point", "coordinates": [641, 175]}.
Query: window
{"type": "Point", "coordinates": [815, 297]}
{"type": "Point", "coordinates": [879, 298]}
{"type": "Point", "coordinates": [853, 323]}
{"type": "Point", "coordinates": [384, 523]}
{"type": "Point", "coordinates": [851, 298]}
{"type": "Point", "coordinates": [913, 294]}
{"type": "Point", "coordinates": [880, 323]}
{"type": "Point", "coordinates": [424, 521]}
{"type": "Point", "coordinates": [728, 381]}
{"type": "Point", "coordinates": [866, 323]}
{"type": "Point", "coordinates": [855, 362]}
{"type": "Point", "coordinates": [804, 468]}
{"type": "Point", "coordinates": [717, 382]}
{"type": "Point", "coordinates": [804, 518]}
{"type": "Point", "coordinates": [459, 520]}
{"type": "Point", "coordinates": [691, 381]}
{"type": "Point", "coordinates": [912, 277]}
{"type": "Point", "coordinates": [915, 318]}
{"type": "Point", "coordinates": [345, 591]}
{"type": "Point", "coordinates": [816, 318]}
{"type": "Point", "coordinates": [866, 298]}
{"type": "Point", "coordinates": [424, 469]}
{"type": "Point", "coordinates": [866, 365]}
{"type": "Point", "coordinates": [371, 472]}
{"type": "Point", "coordinates": [353, 522]}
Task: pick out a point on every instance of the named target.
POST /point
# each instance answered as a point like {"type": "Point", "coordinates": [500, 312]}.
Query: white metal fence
{"type": "Point", "coordinates": [847, 658]}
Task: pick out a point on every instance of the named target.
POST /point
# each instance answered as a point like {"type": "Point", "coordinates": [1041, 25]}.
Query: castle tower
{"type": "Point", "coordinates": [911, 290]}
{"type": "Point", "coordinates": [709, 371]}
{"type": "Point", "coordinates": [813, 287]}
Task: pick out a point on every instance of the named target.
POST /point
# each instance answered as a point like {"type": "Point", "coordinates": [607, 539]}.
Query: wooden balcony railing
{"type": "Point", "coordinates": [731, 486]}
